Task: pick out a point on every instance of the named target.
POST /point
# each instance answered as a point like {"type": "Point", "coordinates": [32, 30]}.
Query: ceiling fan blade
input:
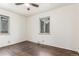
{"type": "Point", "coordinates": [33, 4]}
{"type": "Point", "coordinates": [19, 3]}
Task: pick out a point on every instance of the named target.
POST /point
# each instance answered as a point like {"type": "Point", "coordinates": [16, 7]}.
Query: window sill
{"type": "Point", "coordinates": [44, 33]}
{"type": "Point", "coordinates": [4, 33]}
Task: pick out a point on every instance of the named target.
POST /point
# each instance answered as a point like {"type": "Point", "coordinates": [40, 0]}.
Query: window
{"type": "Point", "coordinates": [44, 25]}
{"type": "Point", "coordinates": [4, 24]}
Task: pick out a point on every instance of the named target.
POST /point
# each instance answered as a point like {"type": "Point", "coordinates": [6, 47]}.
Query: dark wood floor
{"type": "Point", "coordinates": [32, 49]}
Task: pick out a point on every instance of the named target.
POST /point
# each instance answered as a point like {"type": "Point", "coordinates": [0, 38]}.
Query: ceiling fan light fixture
{"type": "Point", "coordinates": [27, 4]}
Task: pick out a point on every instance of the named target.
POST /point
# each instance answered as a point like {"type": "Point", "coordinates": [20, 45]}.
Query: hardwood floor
{"type": "Point", "coordinates": [33, 49]}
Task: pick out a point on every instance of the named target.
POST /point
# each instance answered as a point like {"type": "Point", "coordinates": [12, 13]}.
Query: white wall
{"type": "Point", "coordinates": [63, 27]}
{"type": "Point", "coordinates": [17, 29]}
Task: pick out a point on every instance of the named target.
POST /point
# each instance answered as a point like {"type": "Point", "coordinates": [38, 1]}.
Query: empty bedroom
{"type": "Point", "coordinates": [39, 29]}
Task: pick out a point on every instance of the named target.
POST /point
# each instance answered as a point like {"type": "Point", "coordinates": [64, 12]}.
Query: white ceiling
{"type": "Point", "coordinates": [22, 9]}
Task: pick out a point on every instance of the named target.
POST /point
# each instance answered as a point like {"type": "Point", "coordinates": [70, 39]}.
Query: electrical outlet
{"type": "Point", "coordinates": [39, 42]}
{"type": "Point", "coordinates": [9, 42]}
{"type": "Point", "coordinates": [43, 41]}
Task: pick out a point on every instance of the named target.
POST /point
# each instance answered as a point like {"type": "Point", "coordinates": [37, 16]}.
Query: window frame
{"type": "Point", "coordinates": [4, 24]}
{"type": "Point", "coordinates": [43, 27]}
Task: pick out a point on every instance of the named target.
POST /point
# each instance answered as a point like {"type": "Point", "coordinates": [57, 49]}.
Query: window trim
{"type": "Point", "coordinates": [44, 18]}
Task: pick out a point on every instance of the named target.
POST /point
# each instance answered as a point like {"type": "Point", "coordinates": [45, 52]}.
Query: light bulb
{"type": "Point", "coordinates": [27, 4]}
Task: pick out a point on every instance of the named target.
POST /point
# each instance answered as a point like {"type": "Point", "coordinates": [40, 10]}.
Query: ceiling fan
{"type": "Point", "coordinates": [28, 4]}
